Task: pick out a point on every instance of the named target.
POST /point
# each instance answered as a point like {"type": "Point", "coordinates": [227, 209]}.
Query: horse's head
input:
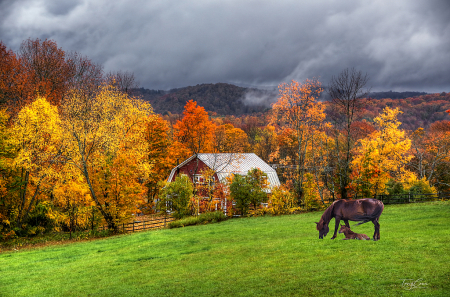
{"type": "Point", "coordinates": [343, 228]}
{"type": "Point", "coordinates": [323, 229]}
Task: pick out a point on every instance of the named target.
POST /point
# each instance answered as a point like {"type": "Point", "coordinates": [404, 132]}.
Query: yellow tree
{"type": "Point", "coordinates": [37, 136]}
{"type": "Point", "coordinates": [320, 156]}
{"type": "Point", "coordinates": [266, 142]}
{"type": "Point", "coordinates": [382, 156]}
{"type": "Point", "coordinates": [104, 137]}
{"type": "Point", "coordinates": [71, 197]}
{"type": "Point", "coordinates": [229, 139]}
{"type": "Point", "coordinates": [7, 202]}
{"type": "Point", "coordinates": [297, 109]}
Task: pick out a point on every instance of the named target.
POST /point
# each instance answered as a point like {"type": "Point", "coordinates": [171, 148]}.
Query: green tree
{"type": "Point", "coordinates": [249, 189]}
{"type": "Point", "coordinates": [176, 195]}
{"type": "Point", "coordinates": [258, 183]}
{"type": "Point", "coordinates": [240, 193]}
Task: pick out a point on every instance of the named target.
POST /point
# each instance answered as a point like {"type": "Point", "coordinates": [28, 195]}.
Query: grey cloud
{"type": "Point", "coordinates": [260, 97]}
{"type": "Point", "coordinates": [402, 45]}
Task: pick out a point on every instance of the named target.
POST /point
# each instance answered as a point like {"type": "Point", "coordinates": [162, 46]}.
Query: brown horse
{"type": "Point", "coordinates": [360, 210]}
{"type": "Point", "coordinates": [349, 234]}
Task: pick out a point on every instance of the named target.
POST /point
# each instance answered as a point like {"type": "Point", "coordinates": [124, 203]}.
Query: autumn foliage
{"type": "Point", "coordinates": [78, 150]}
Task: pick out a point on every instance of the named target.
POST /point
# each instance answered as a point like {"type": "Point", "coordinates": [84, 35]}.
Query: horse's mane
{"type": "Point", "coordinates": [326, 217]}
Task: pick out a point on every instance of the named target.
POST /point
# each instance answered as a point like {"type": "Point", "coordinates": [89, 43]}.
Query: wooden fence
{"type": "Point", "coordinates": [404, 198]}
{"type": "Point", "coordinates": [412, 198]}
{"type": "Point", "coordinates": [158, 221]}
{"type": "Point", "coordinates": [147, 223]}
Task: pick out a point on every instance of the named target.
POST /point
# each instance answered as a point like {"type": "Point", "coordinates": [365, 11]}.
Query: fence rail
{"type": "Point", "coordinates": [403, 198]}
{"type": "Point", "coordinates": [156, 222]}
{"type": "Point", "coordinates": [412, 198]}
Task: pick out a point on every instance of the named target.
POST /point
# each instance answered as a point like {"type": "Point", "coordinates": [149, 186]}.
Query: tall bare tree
{"type": "Point", "coordinates": [347, 92]}
{"type": "Point", "coordinates": [85, 76]}
{"type": "Point", "coordinates": [124, 81]}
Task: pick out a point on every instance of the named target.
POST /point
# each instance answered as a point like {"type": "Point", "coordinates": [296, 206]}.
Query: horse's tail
{"type": "Point", "coordinates": [363, 222]}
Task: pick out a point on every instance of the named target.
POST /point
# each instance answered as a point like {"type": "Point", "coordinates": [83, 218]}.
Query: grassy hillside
{"type": "Point", "coordinates": [264, 256]}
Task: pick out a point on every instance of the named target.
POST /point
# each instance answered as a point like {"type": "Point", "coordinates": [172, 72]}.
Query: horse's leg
{"type": "Point", "coordinates": [336, 226]}
{"type": "Point", "coordinates": [346, 223]}
{"type": "Point", "coordinates": [376, 234]}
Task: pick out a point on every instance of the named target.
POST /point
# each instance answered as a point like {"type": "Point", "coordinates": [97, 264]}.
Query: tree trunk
{"type": "Point", "coordinates": [107, 216]}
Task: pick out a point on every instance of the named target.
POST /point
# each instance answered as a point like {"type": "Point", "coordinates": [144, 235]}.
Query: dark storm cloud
{"type": "Point", "coordinates": [402, 45]}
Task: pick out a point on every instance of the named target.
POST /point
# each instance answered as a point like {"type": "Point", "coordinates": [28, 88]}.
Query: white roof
{"type": "Point", "coordinates": [225, 164]}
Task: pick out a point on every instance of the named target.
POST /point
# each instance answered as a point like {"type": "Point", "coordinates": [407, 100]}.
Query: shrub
{"type": "Point", "coordinates": [395, 188]}
{"type": "Point", "coordinates": [204, 218]}
{"type": "Point", "coordinates": [421, 187]}
{"type": "Point", "coordinates": [281, 201]}
{"type": "Point", "coordinates": [310, 194]}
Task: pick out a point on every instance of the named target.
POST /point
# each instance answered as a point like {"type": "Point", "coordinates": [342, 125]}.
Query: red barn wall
{"type": "Point", "coordinates": [189, 169]}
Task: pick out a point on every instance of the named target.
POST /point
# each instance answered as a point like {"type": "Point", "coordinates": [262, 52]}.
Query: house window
{"type": "Point", "coordinates": [212, 182]}
{"type": "Point", "coordinates": [198, 178]}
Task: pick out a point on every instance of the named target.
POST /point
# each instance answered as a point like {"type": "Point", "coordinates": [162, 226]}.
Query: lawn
{"type": "Point", "coordinates": [262, 256]}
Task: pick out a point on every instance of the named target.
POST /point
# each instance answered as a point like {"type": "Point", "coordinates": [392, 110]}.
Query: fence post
{"type": "Point", "coordinates": [164, 221]}
{"type": "Point", "coordinates": [93, 217]}
{"type": "Point", "coordinates": [133, 226]}
{"type": "Point", "coordinates": [123, 227]}
{"type": "Point", "coordinates": [143, 228]}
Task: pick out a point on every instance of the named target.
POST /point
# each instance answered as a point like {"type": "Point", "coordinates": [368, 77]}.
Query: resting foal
{"type": "Point", "coordinates": [349, 234]}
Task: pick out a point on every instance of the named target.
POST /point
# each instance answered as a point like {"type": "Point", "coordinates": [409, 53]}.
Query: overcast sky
{"type": "Point", "coordinates": [402, 45]}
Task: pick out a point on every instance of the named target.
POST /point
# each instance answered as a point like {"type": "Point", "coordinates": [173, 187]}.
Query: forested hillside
{"type": "Point", "coordinates": [224, 99]}
{"type": "Point", "coordinates": [419, 109]}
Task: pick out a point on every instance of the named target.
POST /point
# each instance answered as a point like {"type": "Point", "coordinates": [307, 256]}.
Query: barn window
{"type": "Point", "coordinates": [198, 178]}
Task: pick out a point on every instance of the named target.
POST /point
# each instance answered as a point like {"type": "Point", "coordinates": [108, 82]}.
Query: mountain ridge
{"type": "Point", "coordinates": [229, 99]}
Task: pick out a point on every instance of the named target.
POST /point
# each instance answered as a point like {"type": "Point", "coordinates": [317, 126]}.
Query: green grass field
{"type": "Point", "coordinates": [263, 256]}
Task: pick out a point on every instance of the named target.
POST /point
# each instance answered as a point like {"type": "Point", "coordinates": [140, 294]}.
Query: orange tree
{"type": "Point", "coordinates": [229, 139]}
{"type": "Point", "coordinates": [162, 155]}
{"type": "Point", "coordinates": [15, 90]}
{"type": "Point", "coordinates": [431, 153]}
{"type": "Point", "coordinates": [47, 67]}
{"type": "Point", "coordinates": [195, 130]}
{"type": "Point", "coordinates": [298, 110]}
